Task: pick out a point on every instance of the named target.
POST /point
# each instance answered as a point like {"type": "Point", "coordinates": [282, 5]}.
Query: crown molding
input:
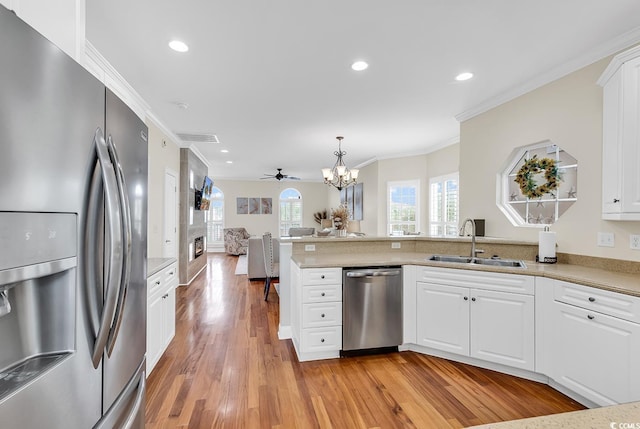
{"type": "Point", "coordinates": [166, 131]}
{"type": "Point", "coordinates": [192, 147]}
{"type": "Point", "coordinates": [100, 67]}
{"type": "Point", "coordinates": [617, 62]}
{"type": "Point", "coordinates": [597, 53]}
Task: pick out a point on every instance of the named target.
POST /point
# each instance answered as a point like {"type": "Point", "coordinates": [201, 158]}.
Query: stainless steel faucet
{"type": "Point", "coordinates": [474, 252]}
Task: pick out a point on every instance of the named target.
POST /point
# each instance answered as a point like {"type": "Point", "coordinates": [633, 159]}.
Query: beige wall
{"type": "Point", "coordinates": [314, 197]}
{"type": "Point", "coordinates": [378, 174]}
{"type": "Point", "coordinates": [567, 111]}
{"type": "Point", "coordinates": [164, 155]}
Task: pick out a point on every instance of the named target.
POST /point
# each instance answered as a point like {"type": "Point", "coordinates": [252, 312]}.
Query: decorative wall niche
{"type": "Point", "coordinates": [537, 184]}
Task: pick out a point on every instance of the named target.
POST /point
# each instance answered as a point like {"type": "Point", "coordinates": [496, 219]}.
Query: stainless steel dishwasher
{"type": "Point", "coordinates": [371, 309]}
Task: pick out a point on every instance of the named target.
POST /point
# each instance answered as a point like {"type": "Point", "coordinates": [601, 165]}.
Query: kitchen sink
{"type": "Point", "coordinates": [494, 262]}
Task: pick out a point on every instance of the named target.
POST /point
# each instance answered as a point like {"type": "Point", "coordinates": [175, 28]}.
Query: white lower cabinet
{"type": "Point", "coordinates": [161, 313]}
{"type": "Point", "coordinates": [595, 354]}
{"type": "Point", "coordinates": [480, 322]}
{"type": "Point", "coordinates": [316, 295]}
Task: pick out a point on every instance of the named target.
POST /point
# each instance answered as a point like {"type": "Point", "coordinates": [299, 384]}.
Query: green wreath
{"type": "Point", "coordinates": [525, 177]}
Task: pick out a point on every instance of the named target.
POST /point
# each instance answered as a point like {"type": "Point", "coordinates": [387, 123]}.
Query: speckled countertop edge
{"type": "Point", "coordinates": [628, 284]}
{"type": "Point", "coordinates": [155, 265]}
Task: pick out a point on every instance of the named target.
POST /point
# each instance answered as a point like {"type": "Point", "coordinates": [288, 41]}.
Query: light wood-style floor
{"type": "Point", "coordinates": [226, 368]}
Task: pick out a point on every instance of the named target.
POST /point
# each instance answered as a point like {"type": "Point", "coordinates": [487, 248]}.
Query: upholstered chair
{"type": "Point", "coordinates": [236, 241]}
{"type": "Point", "coordinates": [271, 266]}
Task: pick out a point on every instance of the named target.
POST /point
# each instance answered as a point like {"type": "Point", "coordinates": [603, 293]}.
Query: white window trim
{"type": "Point", "coordinates": [442, 179]}
{"type": "Point", "coordinates": [403, 183]}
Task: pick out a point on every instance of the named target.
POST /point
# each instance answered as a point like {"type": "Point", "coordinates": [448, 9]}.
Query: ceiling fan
{"type": "Point", "coordinates": [279, 176]}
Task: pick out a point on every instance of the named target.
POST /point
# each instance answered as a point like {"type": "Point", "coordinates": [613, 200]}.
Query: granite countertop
{"type": "Point", "coordinates": [625, 416]}
{"type": "Point", "coordinates": [155, 265]}
{"type": "Point", "coordinates": [628, 284]}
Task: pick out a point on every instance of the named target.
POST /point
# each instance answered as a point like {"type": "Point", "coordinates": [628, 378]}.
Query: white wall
{"type": "Point", "coordinates": [164, 155]}
{"type": "Point", "coordinates": [315, 197]}
{"type": "Point", "coordinates": [567, 111]}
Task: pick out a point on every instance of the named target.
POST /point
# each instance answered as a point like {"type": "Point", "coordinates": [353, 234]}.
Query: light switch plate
{"type": "Point", "coordinates": [606, 239]}
{"type": "Point", "coordinates": [634, 241]}
{"type": "Point", "coordinates": [309, 247]}
{"type": "Point", "coordinates": [395, 245]}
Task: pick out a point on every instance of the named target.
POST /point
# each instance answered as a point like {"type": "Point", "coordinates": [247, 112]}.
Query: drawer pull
{"type": "Point", "coordinates": [466, 298]}
{"type": "Point", "coordinates": [322, 294]}
{"type": "Point", "coordinates": [473, 299]}
{"type": "Point", "coordinates": [322, 276]}
{"type": "Point", "coordinates": [170, 273]}
{"type": "Point", "coordinates": [322, 340]}
{"type": "Point", "coordinates": [590, 317]}
{"type": "Point", "coordinates": [158, 282]}
{"type": "Point", "coordinates": [616, 200]}
{"type": "Point", "coordinates": [592, 299]}
{"type": "Point", "coordinates": [322, 315]}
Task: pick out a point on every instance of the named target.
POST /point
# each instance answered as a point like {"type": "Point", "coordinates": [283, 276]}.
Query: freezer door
{"type": "Point", "coordinates": [127, 343]}
{"type": "Point", "coordinates": [49, 109]}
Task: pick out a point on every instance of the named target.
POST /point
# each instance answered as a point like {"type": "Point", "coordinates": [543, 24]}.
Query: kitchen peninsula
{"type": "Point", "coordinates": [565, 317]}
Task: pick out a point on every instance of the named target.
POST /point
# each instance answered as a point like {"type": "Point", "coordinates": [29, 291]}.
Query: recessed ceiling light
{"type": "Point", "coordinates": [359, 66]}
{"type": "Point", "coordinates": [464, 76]}
{"type": "Point", "coordinates": [229, 162]}
{"type": "Point", "coordinates": [224, 150]}
{"type": "Point", "coordinates": [178, 46]}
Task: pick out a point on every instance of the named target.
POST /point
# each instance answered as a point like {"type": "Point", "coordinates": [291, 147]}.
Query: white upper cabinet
{"type": "Point", "coordinates": [60, 21]}
{"type": "Point", "coordinates": [621, 137]}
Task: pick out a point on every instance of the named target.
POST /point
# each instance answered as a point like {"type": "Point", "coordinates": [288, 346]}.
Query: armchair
{"type": "Point", "coordinates": [236, 241]}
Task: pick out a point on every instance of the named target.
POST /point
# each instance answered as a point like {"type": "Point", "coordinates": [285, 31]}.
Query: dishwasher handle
{"type": "Point", "coordinates": [387, 273]}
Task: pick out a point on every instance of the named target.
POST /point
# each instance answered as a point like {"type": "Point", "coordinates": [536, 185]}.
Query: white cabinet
{"type": "Point", "coordinates": [595, 343]}
{"type": "Point", "coordinates": [161, 313]}
{"type": "Point", "coordinates": [316, 295]}
{"type": "Point", "coordinates": [489, 316]}
{"type": "Point", "coordinates": [621, 137]}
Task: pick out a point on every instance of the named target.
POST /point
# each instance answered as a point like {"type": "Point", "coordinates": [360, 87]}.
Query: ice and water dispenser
{"type": "Point", "coordinates": [38, 270]}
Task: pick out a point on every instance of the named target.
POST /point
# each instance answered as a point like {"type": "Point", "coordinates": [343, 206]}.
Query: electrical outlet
{"type": "Point", "coordinates": [309, 247]}
{"type": "Point", "coordinates": [605, 239]}
{"type": "Point", "coordinates": [395, 245]}
{"type": "Point", "coordinates": [634, 241]}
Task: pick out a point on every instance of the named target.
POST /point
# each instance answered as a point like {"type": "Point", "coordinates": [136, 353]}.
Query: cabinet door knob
{"type": "Point", "coordinates": [473, 299]}
{"type": "Point", "coordinates": [322, 276]}
{"type": "Point", "coordinates": [322, 315]}
{"type": "Point", "coordinates": [616, 200]}
{"type": "Point", "coordinates": [158, 282]}
{"type": "Point", "coordinates": [592, 299]}
{"type": "Point", "coordinates": [590, 316]}
{"type": "Point", "coordinates": [322, 340]}
{"type": "Point", "coordinates": [466, 298]}
{"type": "Point", "coordinates": [322, 294]}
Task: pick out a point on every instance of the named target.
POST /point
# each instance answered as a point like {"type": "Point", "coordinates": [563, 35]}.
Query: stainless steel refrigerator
{"type": "Point", "coordinates": [73, 210]}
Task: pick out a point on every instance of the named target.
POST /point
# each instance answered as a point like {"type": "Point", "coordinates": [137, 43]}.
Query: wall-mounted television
{"type": "Point", "coordinates": [203, 196]}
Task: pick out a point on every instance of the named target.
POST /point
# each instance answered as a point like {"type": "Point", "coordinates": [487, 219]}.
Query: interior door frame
{"type": "Point", "coordinates": [166, 209]}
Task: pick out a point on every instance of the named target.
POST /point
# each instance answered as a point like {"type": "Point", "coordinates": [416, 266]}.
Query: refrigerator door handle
{"type": "Point", "coordinates": [139, 403]}
{"type": "Point", "coordinates": [126, 257]}
{"type": "Point", "coordinates": [114, 256]}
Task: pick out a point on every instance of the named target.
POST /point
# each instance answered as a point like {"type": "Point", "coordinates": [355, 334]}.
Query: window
{"type": "Point", "coordinates": [403, 205]}
{"type": "Point", "coordinates": [290, 210]}
{"type": "Point", "coordinates": [215, 221]}
{"type": "Point", "coordinates": [443, 207]}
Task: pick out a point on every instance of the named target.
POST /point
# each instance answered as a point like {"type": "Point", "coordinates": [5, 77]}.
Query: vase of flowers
{"type": "Point", "coordinates": [340, 217]}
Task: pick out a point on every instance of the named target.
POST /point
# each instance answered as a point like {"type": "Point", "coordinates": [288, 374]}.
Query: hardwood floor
{"type": "Point", "coordinates": [227, 368]}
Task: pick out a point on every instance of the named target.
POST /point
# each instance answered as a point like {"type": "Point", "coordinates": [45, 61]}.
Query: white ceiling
{"type": "Point", "coordinates": [272, 79]}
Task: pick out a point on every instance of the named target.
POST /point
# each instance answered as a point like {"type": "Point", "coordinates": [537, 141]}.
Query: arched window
{"type": "Point", "coordinates": [290, 210]}
{"type": "Point", "coordinates": [215, 221]}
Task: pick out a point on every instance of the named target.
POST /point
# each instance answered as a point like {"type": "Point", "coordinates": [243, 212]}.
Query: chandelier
{"type": "Point", "coordinates": [340, 176]}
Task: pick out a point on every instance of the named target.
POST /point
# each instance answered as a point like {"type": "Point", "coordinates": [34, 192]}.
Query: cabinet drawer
{"type": "Point", "coordinates": [504, 282]}
{"type": "Point", "coordinates": [170, 274]}
{"type": "Point", "coordinates": [603, 301]}
{"type": "Point", "coordinates": [321, 276]}
{"type": "Point", "coordinates": [154, 283]}
{"type": "Point", "coordinates": [322, 339]}
{"type": "Point", "coordinates": [321, 314]}
{"type": "Point", "coordinates": [322, 293]}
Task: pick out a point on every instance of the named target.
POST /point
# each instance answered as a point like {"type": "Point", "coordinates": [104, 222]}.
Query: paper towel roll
{"type": "Point", "coordinates": [547, 246]}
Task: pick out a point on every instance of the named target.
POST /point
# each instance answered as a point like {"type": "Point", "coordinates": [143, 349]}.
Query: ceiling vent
{"type": "Point", "coordinates": [198, 138]}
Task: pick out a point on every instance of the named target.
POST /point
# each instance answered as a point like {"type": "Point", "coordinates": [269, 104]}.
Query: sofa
{"type": "Point", "coordinates": [255, 257]}
{"type": "Point", "coordinates": [301, 231]}
{"type": "Point", "coordinates": [236, 241]}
